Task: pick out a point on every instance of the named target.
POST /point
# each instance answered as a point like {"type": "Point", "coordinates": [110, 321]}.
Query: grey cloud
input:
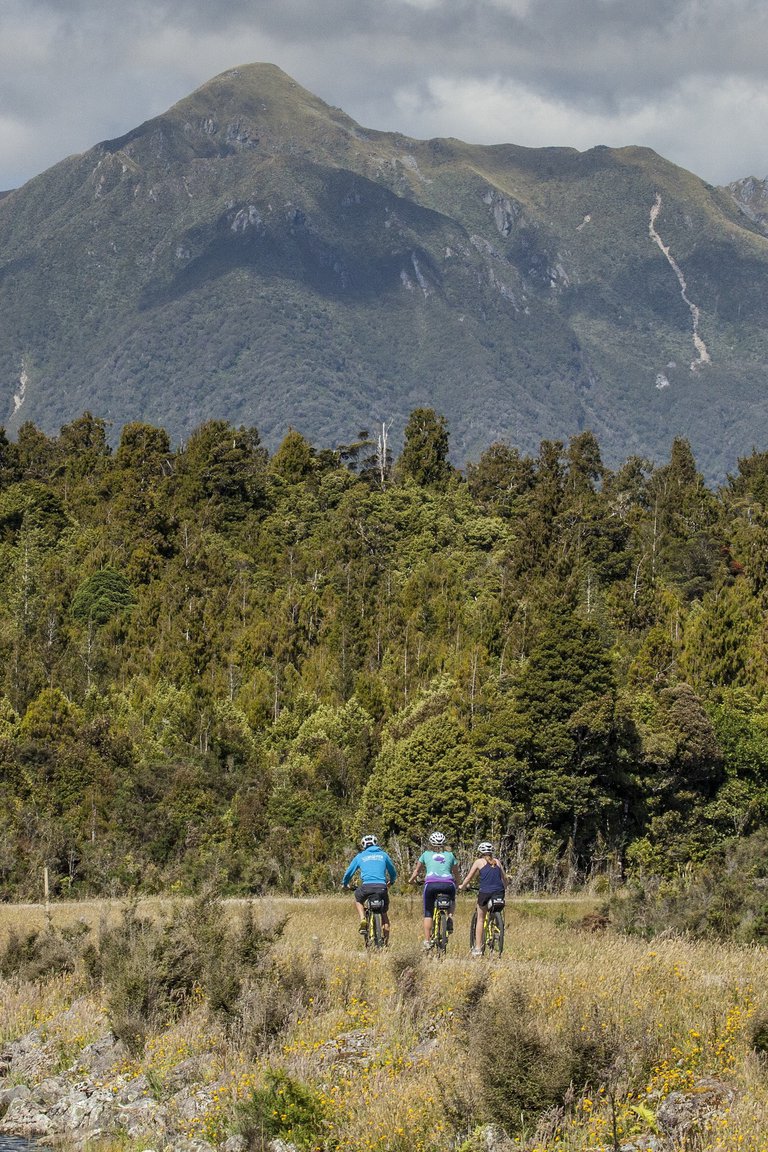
{"type": "Point", "coordinates": [73, 72]}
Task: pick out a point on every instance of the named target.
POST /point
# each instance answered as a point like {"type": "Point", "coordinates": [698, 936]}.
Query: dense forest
{"type": "Point", "coordinates": [221, 663]}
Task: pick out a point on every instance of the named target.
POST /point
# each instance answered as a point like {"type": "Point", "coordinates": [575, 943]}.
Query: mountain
{"type": "Point", "coordinates": [256, 255]}
{"type": "Point", "coordinates": [752, 196]}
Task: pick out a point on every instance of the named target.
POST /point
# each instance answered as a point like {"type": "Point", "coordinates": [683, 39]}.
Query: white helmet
{"type": "Point", "coordinates": [368, 842]}
{"type": "Point", "coordinates": [485, 849]}
{"type": "Point", "coordinates": [437, 839]}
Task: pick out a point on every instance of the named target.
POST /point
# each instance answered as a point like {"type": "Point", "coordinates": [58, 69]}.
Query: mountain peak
{"type": "Point", "coordinates": [263, 86]}
{"type": "Point", "coordinates": [254, 105]}
{"type": "Point", "coordinates": [264, 93]}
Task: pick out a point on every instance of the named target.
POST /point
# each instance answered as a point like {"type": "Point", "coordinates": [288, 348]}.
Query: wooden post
{"type": "Point", "coordinates": [47, 895]}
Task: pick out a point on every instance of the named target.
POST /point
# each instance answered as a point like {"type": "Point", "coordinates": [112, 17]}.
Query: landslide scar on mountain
{"type": "Point", "coordinates": [702, 356]}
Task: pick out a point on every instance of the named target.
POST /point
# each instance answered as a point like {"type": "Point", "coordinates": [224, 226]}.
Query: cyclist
{"type": "Point", "coordinates": [493, 882]}
{"type": "Point", "coordinates": [440, 875]}
{"type": "Point", "coordinates": [377, 872]}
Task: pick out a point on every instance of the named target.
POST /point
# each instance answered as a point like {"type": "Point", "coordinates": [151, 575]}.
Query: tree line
{"type": "Point", "coordinates": [217, 661]}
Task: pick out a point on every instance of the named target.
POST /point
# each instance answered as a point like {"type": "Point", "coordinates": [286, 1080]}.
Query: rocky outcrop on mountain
{"type": "Point", "coordinates": [751, 195]}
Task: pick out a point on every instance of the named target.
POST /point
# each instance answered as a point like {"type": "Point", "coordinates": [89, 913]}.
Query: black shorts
{"type": "Point", "coordinates": [433, 890]}
{"type": "Point", "coordinates": [372, 890]}
{"type": "Point", "coordinates": [484, 897]}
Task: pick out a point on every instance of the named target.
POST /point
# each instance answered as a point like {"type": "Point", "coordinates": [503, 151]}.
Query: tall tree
{"type": "Point", "coordinates": [222, 471]}
{"type": "Point", "coordinates": [424, 458]}
{"type": "Point", "coordinates": [428, 775]}
{"type": "Point", "coordinates": [566, 737]}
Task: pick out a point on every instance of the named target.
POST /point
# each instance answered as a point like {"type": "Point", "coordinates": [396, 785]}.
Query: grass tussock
{"type": "Point", "coordinates": [571, 1042]}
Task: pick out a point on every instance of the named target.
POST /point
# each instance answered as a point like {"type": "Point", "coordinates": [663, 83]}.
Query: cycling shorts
{"type": "Point", "coordinates": [372, 890]}
{"type": "Point", "coordinates": [484, 897]}
{"type": "Point", "coordinates": [433, 889]}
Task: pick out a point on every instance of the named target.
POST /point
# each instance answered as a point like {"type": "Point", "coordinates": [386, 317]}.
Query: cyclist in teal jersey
{"type": "Point", "coordinates": [440, 875]}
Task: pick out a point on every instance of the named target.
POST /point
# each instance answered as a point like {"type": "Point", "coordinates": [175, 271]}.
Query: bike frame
{"type": "Point", "coordinates": [374, 930]}
{"type": "Point", "coordinates": [493, 927]}
{"type": "Point", "coordinates": [493, 932]}
{"type": "Point", "coordinates": [440, 916]}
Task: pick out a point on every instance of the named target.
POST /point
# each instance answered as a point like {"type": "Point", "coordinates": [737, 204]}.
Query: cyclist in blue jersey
{"type": "Point", "coordinates": [493, 882]}
{"type": "Point", "coordinates": [377, 872]}
{"type": "Point", "coordinates": [440, 875]}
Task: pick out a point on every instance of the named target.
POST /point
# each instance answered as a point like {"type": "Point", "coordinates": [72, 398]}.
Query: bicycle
{"type": "Point", "coordinates": [493, 927]}
{"type": "Point", "coordinates": [440, 914]}
{"type": "Point", "coordinates": [373, 921]}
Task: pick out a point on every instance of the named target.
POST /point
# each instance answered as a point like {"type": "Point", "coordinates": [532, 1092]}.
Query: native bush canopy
{"type": "Point", "coordinates": [217, 662]}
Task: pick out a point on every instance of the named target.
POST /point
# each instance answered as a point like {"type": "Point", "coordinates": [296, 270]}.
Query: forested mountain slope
{"type": "Point", "coordinates": [216, 661]}
{"type": "Point", "coordinates": [255, 255]}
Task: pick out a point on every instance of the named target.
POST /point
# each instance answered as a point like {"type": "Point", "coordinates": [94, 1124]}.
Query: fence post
{"type": "Point", "coordinates": [47, 895]}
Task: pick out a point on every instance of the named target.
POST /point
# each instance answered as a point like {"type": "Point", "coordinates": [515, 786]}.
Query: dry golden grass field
{"type": "Point", "coordinates": [572, 1041]}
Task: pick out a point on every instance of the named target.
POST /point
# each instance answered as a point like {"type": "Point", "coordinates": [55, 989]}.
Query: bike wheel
{"type": "Point", "coordinates": [377, 931]}
{"type": "Point", "coordinates": [472, 930]}
{"type": "Point", "coordinates": [498, 931]}
{"type": "Point", "coordinates": [441, 931]}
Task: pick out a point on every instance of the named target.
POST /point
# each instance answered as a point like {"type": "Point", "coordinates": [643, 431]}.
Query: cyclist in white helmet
{"type": "Point", "coordinates": [441, 874]}
{"type": "Point", "coordinates": [377, 872]}
{"type": "Point", "coordinates": [493, 882]}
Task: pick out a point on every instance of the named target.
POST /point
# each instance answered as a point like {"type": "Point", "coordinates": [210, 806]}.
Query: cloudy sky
{"type": "Point", "coordinates": [688, 78]}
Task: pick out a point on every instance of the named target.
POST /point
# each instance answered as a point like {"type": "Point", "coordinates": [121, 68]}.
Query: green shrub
{"type": "Point", "coordinates": [275, 992]}
{"type": "Point", "coordinates": [726, 898]}
{"type": "Point", "coordinates": [36, 955]}
{"type": "Point", "coordinates": [527, 1067]}
{"type": "Point", "coordinates": [152, 969]}
{"type": "Point", "coordinates": [759, 1038]}
{"type": "Point", "coordinates": [283, 1109]}
{"type": "Point", "coordinates": [140, 996]}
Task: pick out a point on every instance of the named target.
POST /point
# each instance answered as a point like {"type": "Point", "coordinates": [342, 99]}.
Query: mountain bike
{"type": "Point", "coordinates": [493, 926]}
{"type": "Point", "coordinates": [440, 914]}
{"type": "Point", "coordinates": [373, 921]}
